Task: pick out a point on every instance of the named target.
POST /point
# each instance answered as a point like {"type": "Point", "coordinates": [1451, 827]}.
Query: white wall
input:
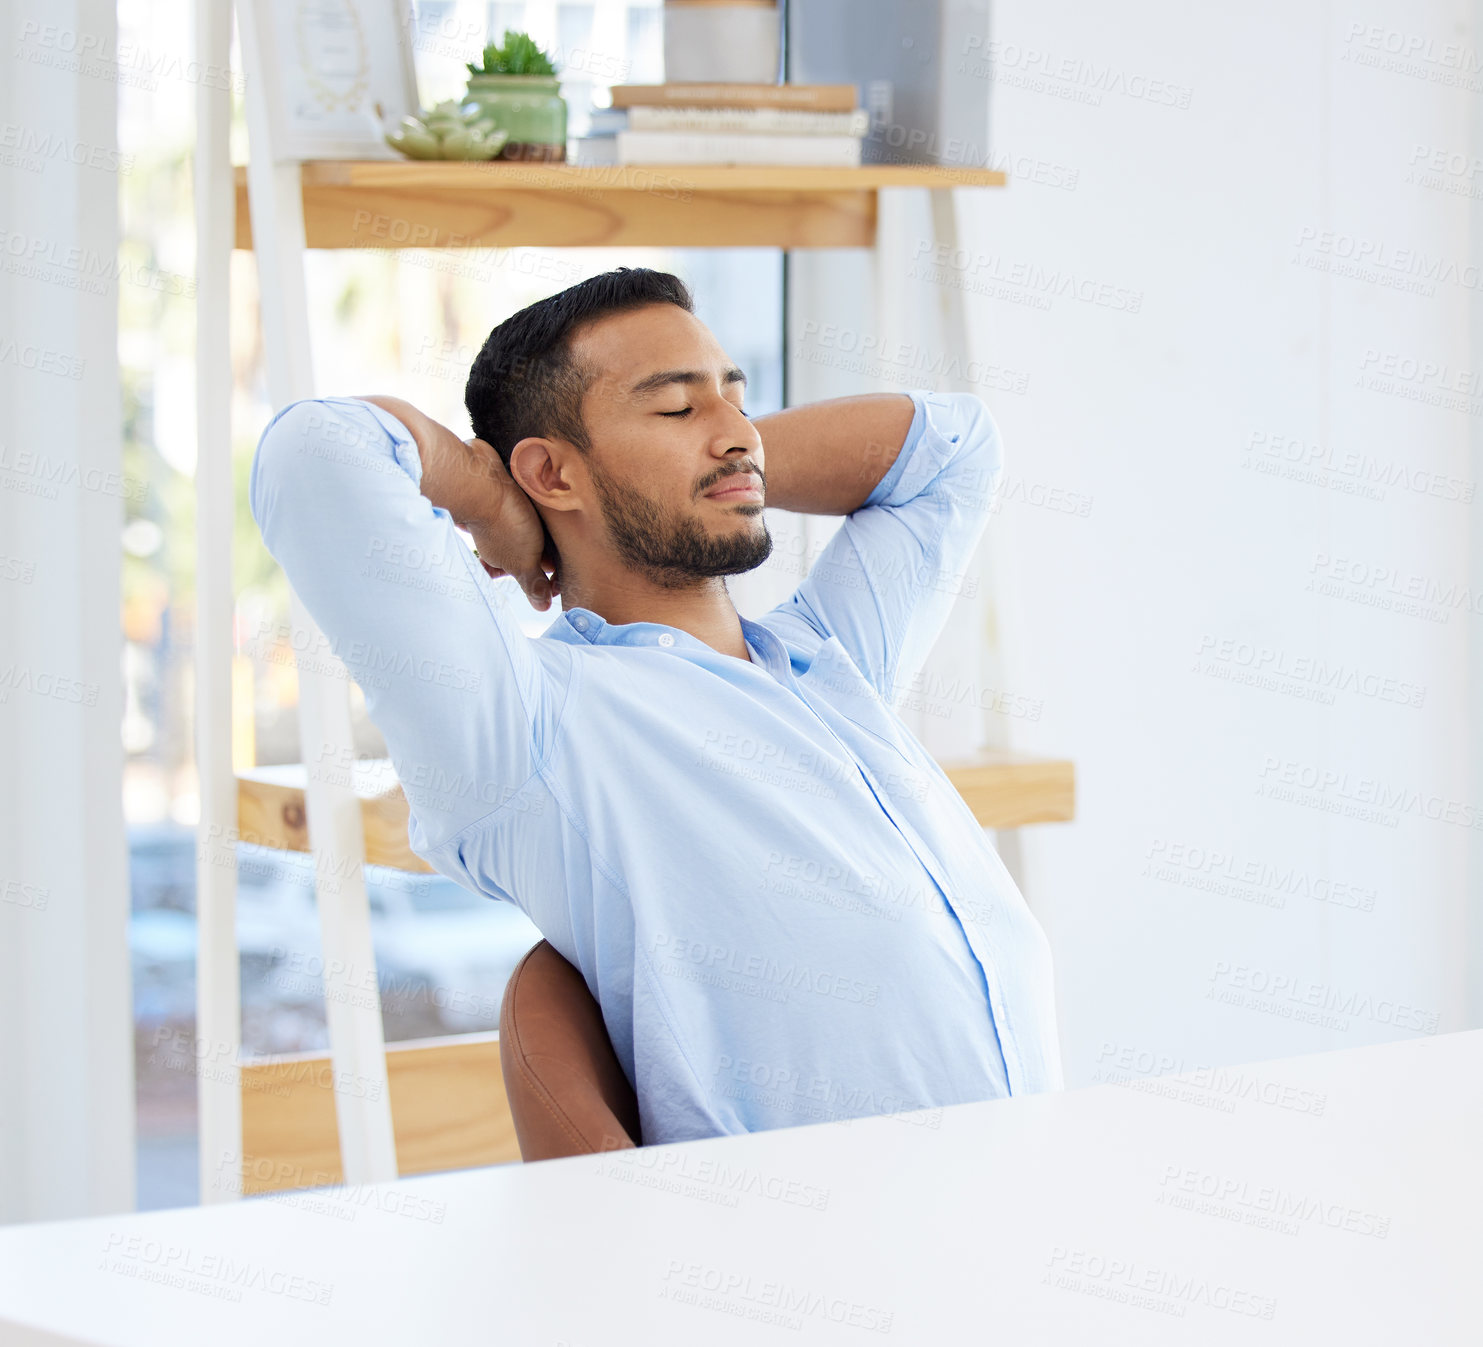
{"type": "Point", "coordinates": [1215, 217]}
{"type": "Point", "coordinates": [66, 1053]}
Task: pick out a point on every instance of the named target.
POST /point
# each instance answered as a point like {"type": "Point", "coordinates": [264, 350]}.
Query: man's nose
{"type": "Point", "coordinates": [745, 435]}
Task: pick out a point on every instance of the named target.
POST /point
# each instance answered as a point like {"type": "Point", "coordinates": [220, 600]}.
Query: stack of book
{"type": "Point", "coordinates": [818, 125]}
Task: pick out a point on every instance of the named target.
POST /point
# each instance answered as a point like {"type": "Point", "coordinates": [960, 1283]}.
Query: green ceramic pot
{"type": "Point", "coordinates": [529, 107]}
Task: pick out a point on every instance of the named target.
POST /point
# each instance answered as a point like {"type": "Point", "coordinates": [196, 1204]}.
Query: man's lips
{"type": "Point", "coordinates": [738, 486]}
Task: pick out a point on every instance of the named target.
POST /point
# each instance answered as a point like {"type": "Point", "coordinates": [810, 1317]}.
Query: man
{"type": "Point", "coordinates": [784, 909]}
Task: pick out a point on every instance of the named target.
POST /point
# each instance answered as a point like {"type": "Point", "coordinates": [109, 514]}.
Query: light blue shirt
{"type": "Point", "coordinates": [786, 911]}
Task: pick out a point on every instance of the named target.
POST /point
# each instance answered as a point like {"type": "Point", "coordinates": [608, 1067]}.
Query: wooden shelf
{"type": "Point", "coordinates": [1004, 791]}
{"type": "Point", "coordinates": [407, 204]}
{"type": "Point", "coordinates": [270, 811]}
{"type": "Point", "coordinates": [1009, 790]}
{"type": "Point", "coordinates": [449, 1110]}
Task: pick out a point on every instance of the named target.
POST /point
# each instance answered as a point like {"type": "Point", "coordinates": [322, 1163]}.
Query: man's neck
{"type": "Point", "coordinates": [704, 609]}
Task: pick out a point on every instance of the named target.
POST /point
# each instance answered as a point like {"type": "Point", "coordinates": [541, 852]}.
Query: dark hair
{"type": "Point", "coordinates": [525, 380]}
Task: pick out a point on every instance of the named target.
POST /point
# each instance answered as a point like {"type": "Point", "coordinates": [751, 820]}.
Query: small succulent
{"type": "Point", "coordinates": [518, 56]}
{"type": "Point", "coordinates": [448, 131]}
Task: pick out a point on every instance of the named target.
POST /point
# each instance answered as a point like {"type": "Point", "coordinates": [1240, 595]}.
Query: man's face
{"type": "Point", "coordinates": [667, 432]}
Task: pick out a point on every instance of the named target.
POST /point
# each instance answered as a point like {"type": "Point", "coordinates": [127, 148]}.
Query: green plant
{"type": "Point", "coordinates": [518, 56]}
{"type": "Point", "coordinates": [448, 131]}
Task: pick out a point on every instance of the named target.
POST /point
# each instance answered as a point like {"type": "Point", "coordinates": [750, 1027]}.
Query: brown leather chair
{"type": "Point", "coordinates": [568, 1094]}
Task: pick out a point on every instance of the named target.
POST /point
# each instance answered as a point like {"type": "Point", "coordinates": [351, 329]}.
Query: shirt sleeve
{"type": "Point", "coordinates": [886, 581]}
{"type": "Point", "coordinates": [449, 677]}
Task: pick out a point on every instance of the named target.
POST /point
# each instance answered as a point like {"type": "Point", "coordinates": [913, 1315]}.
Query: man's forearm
{"type": "Point", "coordinates": [826, 457]}
{"type": "Point", "coordinates": [455, 476]}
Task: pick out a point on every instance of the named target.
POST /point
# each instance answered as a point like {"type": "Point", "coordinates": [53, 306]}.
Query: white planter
{"type": "Point", "coordinates": [720, 43]}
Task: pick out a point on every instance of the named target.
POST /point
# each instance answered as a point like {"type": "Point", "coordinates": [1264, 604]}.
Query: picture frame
{"type": "Point", "coordinates": [336, 74]}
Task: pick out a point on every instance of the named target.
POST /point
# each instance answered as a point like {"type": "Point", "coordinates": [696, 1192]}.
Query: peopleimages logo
{"type": "Point", "coordinates": [1300, 998]}
{"type": "Point", "coordinates": [216, 1274]}
{"type": "Point", "coordinates": [102, 56]}
{"type": "Point", "coordinates": [1217, 1087]}
{"type": "Point", "coordinates": [1263, 665]}
{"type": "Point", "coordinates": [43, 146]}
{"type": "Point", "coordinates": [1350, 470]}
{"type": "Point", "coordinates": [681, 1170]}
{"type": "Point", "coordinates": [973, 269]}
{"type": "Point", "coordinates": [723, 965]}
{"type": "Point", "coordinates": [1449, 64]}
{"type": "Point", "coordinates": [1069, 77]}
{"type": "Point", "coordinates": [1271, 1200]}
{"type": "Point", "coordinates": [1162, 1290]}
{"type": "Point", "coordinates": [34, 473]}
{"type": "Point", "coordinates": [1220, 870]}
{"type": "Point", "coordinates": [1369, 791]}
{"type": "Point", "coordinates": [1382, 262]}
{"type": "Point", "coordinates": [784, 1088]}
{"type": "Point", "coordinates": [779, 1303]}
{"type": "Point", "coordinates": [1391, 588]}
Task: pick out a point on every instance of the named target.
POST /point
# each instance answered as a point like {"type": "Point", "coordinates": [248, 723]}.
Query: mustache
{"type": "Point", "coordinates": [732, 472]}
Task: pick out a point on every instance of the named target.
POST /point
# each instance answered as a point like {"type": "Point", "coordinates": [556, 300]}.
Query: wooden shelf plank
{"type": "Point", "coordinates": [443, 175]}
{"type": "Point", "coordinates": [1009, 790]}
{"type": "Point", "coordinates": [448, 1106]}
{"type": "Point", "coordinates": [406, 204]}
{"type": "Point", "coordinates": [1003, 790]}
{"type": "Point", "coordinates": [270, 812]}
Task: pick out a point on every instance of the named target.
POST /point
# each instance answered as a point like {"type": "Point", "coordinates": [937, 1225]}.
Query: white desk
{"type": "Point", "coordinates": [1073, 1218]}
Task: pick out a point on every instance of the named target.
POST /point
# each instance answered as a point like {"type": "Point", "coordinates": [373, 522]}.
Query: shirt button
{"type": "Point", "coordinates": [665, 638]}
{"type": "Point", "coordinates": [581, 623]}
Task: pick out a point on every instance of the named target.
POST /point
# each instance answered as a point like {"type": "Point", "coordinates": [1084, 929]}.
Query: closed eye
{"type": "Point", "coordinates": [686, 412]}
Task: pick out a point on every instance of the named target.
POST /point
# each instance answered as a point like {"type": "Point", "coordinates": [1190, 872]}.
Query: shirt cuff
{"type": "Point", "coordinates": [887, 484]}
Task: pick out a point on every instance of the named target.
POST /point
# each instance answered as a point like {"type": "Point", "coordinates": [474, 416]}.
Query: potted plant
{"type": "Point", "coordinates": [516, 88]}
{"type": "Point", "coordinates": [448, 131]}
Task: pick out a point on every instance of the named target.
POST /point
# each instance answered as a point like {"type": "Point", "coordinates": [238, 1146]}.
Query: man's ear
{"type": "Point", "coordinates": [543, 469]}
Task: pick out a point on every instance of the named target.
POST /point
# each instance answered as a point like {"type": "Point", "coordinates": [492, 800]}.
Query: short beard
{"type": "Point", "coordinates": [673, 552]}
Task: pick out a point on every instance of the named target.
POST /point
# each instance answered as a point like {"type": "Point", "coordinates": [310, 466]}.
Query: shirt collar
{"type": "Point", "coordinates": [578, 625]}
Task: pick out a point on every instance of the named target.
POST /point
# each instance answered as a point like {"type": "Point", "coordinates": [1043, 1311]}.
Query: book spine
{"type": "Point", "coordinates": [756, 121]}
{"type": "Point", "coordinates": [679, 147]}
{"type": "Point", "coordinates": [817, 97]}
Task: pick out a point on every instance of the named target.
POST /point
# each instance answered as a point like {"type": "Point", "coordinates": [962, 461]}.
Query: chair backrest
{"type": "Point", "coordinates": [568, 1094]}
